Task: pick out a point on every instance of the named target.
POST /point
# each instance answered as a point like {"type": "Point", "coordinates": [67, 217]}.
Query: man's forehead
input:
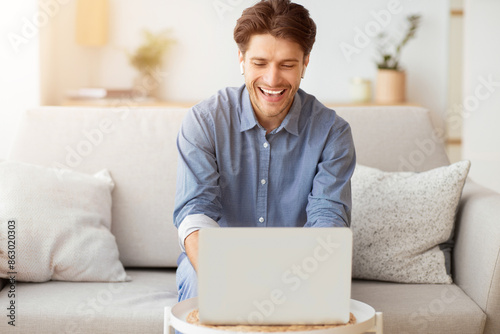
{"type": "Point", "coordinates": [264, 46]}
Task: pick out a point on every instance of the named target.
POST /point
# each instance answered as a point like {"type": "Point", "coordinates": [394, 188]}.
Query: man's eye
{"type": "Point", "coordinates": [287, 66]}
{"type": "Point", "coordinates": [259, 64]}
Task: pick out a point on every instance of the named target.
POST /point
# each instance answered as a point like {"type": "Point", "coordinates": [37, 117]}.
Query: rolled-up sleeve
{"type": "Point", "coordinates": [197, 200]}
{"type": "Point", "coordinates": [329, 203]}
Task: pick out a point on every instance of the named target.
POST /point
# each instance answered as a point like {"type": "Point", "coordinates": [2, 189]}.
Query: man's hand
{"type": "Point", "coordinates": [191, 247]}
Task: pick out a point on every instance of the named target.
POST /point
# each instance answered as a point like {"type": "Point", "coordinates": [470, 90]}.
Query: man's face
{"type": "Point", "coordinates": [273, 69]}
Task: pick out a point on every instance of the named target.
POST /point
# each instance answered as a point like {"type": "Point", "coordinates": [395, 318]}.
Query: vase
{"type": "Point", "coordinates": [391, 87]}
{"type": "Point", "coordinates": [360, 90]}
{"type": "Point", "coordinates": [146, 85]}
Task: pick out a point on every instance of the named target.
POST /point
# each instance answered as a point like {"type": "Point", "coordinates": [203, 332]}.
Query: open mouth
{"type": "Point", "coordinates": [272, 93]}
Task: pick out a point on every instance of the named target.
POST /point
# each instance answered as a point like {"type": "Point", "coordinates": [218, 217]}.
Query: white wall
{"type": "Point", "coordinates": [455, 76]}
{"type": "Point", "coordinates": [455, 82]}
{"type": "Point", "coordinates": [424, 58]}
{"type": "Point", "coordinates": [481, 137]}
{"type": "Point", "coordinates": [205, 57]}
{"type": "Point", "coordinates": [19, 65]}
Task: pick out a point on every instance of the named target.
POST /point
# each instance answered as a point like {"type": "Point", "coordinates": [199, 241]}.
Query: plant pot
{"type": "Point", "coordinates": [146, 85]}
{"type": "Point", "coordinates": [391, 86]}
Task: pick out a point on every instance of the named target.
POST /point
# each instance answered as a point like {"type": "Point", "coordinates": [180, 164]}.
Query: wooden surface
{"type": "Point", "coordinates": [110, 103]}
{"type": "Point", "coordinates": [183, 104]}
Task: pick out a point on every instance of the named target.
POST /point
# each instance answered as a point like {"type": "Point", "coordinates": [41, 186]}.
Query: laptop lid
{"type": "Point", "coordinates": [274, 275]}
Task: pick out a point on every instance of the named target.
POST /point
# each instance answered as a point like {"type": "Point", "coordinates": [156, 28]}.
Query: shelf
{"type": "Point", "coordinates": [110, 103]}
{"type": "Point", "coordinates": [369, 104]}
{"type": "Point", "coordinates": [177, 104]}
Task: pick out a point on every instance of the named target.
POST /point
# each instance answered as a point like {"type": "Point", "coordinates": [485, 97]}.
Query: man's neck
{"type": "Point", "coordinates": [271, 123]}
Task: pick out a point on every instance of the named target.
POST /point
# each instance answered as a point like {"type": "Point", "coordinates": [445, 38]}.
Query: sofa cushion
{"type": "Point", "coordinates": [137, 146]}
{"type": "Point", "coordinates": [99, 308]}
{"type": "Point", "coordinates": [402, 223]}
{"type": "Point", "coordinates": [421, 308]}
{"type": "Point", "coordinates": [138, 306]}
{"type": "Point", "coordinates": [55, 225]}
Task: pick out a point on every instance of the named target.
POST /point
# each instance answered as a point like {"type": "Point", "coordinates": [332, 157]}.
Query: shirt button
{"type": "Point", "coordinates": [261, 219]}
{"type": "Point", "coordinates": [262, 181]}
{"type": "Point", "coordinates": [266, 145]}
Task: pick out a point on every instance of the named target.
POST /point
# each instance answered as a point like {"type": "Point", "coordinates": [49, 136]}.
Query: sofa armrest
{"type": "Point", "coordinates": [477, 250]}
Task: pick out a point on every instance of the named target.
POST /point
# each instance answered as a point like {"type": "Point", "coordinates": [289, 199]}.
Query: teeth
{"type": "Point", "coordinates": [272, 92]}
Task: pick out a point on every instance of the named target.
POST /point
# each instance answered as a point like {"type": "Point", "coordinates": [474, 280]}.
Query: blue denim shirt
{"type": "Point", "coordinates": [230, 173]}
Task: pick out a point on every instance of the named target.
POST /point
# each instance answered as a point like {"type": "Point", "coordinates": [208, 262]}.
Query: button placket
{"type": "Point", "coordinates": [262, 192]}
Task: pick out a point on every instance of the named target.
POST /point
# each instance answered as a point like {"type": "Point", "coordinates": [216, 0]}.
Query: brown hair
{"type": "Point", "coordinates": [280, 19]}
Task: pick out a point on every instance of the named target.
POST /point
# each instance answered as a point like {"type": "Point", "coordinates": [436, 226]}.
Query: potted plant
{"type": "Point", "coordinates": [148, 59]}
{"type": "Point", "coordinates": [391, 78]}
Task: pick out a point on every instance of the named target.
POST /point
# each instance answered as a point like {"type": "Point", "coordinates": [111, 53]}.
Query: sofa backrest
{"type": "Point", "coordinates": [396, 138]}
{"type": "Point", "coordinates": [137, 145]}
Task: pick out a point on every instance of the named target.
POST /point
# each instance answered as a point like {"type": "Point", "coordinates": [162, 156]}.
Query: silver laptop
{"type": "Point", "coordinates": [274, 276]}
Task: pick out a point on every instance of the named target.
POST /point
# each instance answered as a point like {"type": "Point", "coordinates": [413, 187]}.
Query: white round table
{"type": "Point", "coordinates": [367, 320]}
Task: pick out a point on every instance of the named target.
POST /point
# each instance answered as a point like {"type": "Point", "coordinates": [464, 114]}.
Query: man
{"type": "Point", "coordinates": [264, 154]}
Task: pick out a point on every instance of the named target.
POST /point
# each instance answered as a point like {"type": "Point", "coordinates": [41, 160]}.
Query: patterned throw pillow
{"type": "Point", "coordinates": [403, 223]}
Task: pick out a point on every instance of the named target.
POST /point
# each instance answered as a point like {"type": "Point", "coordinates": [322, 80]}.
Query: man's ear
{"type": "Point", "coordinates": [306, 60]}
{"type": "Point", "coordinates": [241, 56]}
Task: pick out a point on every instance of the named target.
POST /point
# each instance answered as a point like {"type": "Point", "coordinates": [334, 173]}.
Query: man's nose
{"type": "Point", "coordinates": [272, 77]}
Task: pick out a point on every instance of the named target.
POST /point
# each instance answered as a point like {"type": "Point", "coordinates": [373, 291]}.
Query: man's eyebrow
{"type": "Point", "coordinates": [258, 58]}
{"type": "Point", "coordinates": [283, 61]}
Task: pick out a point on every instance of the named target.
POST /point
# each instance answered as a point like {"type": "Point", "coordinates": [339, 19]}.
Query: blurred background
{"type": "Point", "coordinates": [88, 52]}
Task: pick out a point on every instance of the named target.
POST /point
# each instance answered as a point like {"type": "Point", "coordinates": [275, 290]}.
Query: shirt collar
{"type": "Point", "coordinates": [248, 120]}
{"type": "Point", "coordinates": [290, 123]}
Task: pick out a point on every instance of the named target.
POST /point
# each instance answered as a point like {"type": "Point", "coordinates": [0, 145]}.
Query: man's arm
{"type": "Point", "coordinates": [197, 200]}
{"type": "Point", "coordinates": [191, 246]}
{"type": "Point", "coordinates": [329, 203]}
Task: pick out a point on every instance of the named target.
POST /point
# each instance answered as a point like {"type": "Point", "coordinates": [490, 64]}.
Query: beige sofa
{"type": "Point", "coordinates": [137, 145]}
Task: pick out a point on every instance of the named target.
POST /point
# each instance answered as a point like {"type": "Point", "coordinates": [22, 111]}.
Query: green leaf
{"type": "Point", "coordinates": [391, 60]}
{"type": "Point", "coordinates": [150, 54]}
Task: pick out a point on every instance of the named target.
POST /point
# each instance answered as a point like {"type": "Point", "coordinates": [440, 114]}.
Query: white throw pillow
{"type": "Point", "coordinates": [403, 221]}
{"type": "Point", "coordinates": [55, 224]}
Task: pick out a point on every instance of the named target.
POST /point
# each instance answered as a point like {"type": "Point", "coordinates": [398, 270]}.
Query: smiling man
{"type": "Point", "coordinates": [265, 154]}
{"type": "Point", "coordinates": [274, 68]}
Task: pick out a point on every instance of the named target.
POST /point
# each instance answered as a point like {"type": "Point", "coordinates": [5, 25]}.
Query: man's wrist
{"type": "Point", "coordinates": [193, 223]}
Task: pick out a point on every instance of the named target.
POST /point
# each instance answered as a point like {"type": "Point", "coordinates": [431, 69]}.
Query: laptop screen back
{"type": "Point", "coordinates": [274, 275]}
